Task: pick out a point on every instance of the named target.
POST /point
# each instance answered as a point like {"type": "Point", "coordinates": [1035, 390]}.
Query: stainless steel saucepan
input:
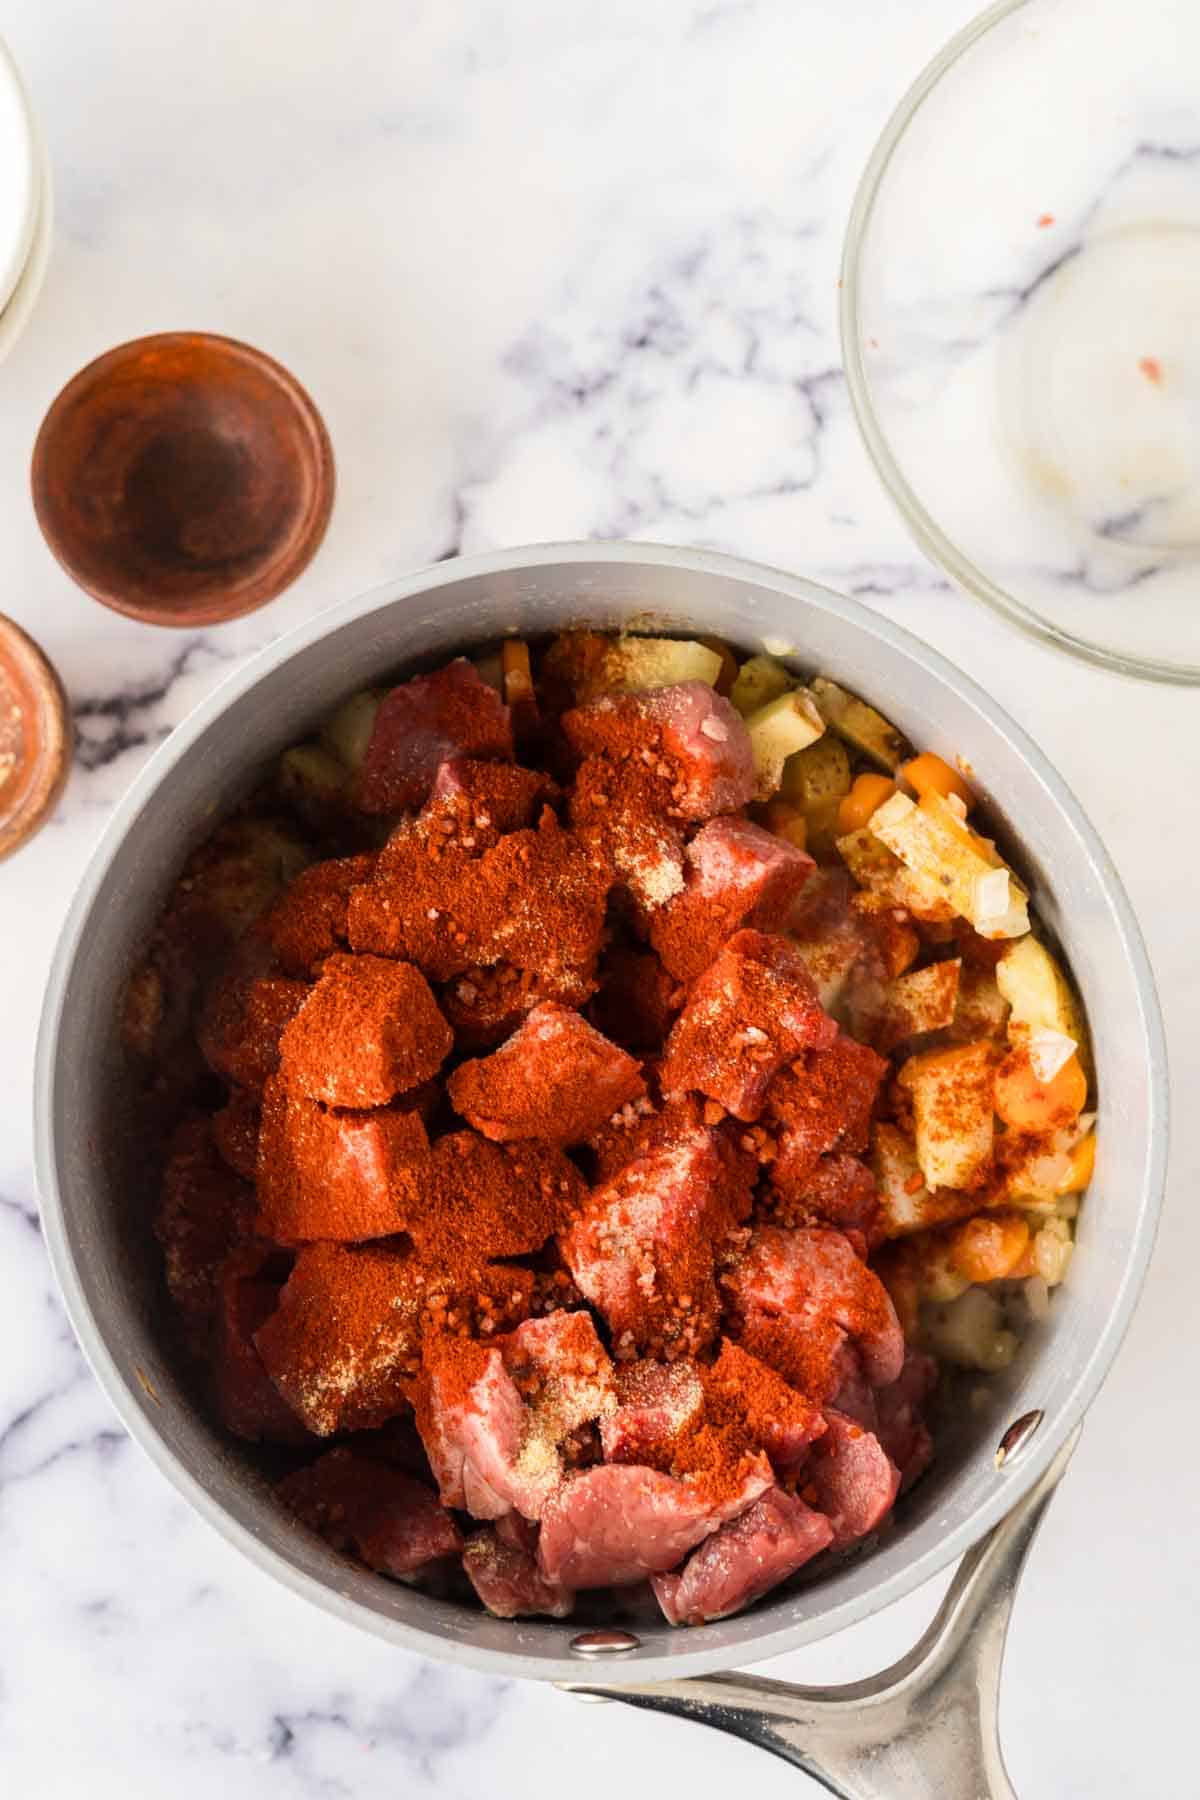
{"type": "Point", "coordinates": [927, 1726]}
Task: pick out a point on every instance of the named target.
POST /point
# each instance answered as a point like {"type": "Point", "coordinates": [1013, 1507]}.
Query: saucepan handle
{"type": "Point", "coordinates": [926, 1728]}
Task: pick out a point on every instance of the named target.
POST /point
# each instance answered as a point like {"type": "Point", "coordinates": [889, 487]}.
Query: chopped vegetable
{"type": "Point", "coordinates": [859, 724]}
{"type": "Point", "coordinates": [819, 773]}
{"type": "Point", "coordinates": [517, 685]}
{"type": "Point", "coordinates": [760, 680]}
{"type": "Point", "coordinates": [1031, 1105]}
{"type": "Point", "coordinates": [930, 774]}
{"type": "Point", "coordinates": [347, 733]}
{"type": "Point", "coordinates": [970, 1331]}
{"type": "Point", "coordinates": [990, 1246]}
{"type": "Point", "coordinates": [864, 798]}
{"type": "Point", "coordinates": [777, 731]}
{"type": "Point", "coordinates": [938, 848]}
{"type": "Point", "coordinates": [1038, 992]}
{"type": "Point", "coordinates": [923, 1000]}
{"type": "Point", "coordinates": [312, 782]}
{"type": "Point", "coordinates": [881, 872]}
{"type": "Point", "coordinates": [952, 1098]}
{"type": "Point", "coordinates": [729, 664]}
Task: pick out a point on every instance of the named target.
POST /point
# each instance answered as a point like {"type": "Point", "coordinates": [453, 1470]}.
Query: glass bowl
{"type": "Point", "coordinates": [1021, 322]}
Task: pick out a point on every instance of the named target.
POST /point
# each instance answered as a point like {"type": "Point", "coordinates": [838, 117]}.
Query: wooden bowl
{"type": "Point", "coordinates": [35, 737]}
{"type": "Point", "coordinates": [183, 479]}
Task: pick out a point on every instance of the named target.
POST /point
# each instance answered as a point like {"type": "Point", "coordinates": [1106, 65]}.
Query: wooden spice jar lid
{"type": "Point", "coordinates": [35, 737]}
{"type": "Point", "coordinates": [183, 479]}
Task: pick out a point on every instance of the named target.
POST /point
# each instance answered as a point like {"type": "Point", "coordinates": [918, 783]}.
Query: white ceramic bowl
{"type": "Point", "coordinates": [25, 205]}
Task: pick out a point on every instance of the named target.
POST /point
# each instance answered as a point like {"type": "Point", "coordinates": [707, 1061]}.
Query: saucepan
{"type": "Point", "coordinates": [926, 1726]}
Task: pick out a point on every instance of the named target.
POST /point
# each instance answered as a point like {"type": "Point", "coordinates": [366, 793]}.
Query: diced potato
{"type": "Point", "coordinates": [952, 1112]}
{"type": "Point", "coordinates": [875, 868]}
{"type": "Point", "coordinates": [936, 846]}
{"type": "Point", "coordinates": [822, 819]}
{"type": "Point", "coordinates": [905, 1203]}
{"type": "Point", "coordinates": [982, 1010]}
{"type": "Point", "coordinates": [1038, 992]}
{"type": "Point", "coordinates": [923, 1000]}
{"type": "Point", "coordinates": [1052, 1249]}
{"type": "Point", "coordinates": [831, 959]}
{"type": "Point", "coordinates": [636, 663]}
{"type": "Point", "coordinates": [819, 773]}
{"type": "Point", "coordinates": [777, 731]}
{"type": "Point", "coordinates": [312, 782]}
{"type": "Point", "coordinates": [592, 664]}
{"type": "Point", "coordinates": [729, 664]}
{"type": "Point", "coordinates": [1051, 1169]}
{"type": "Point", "coordinates": [759, 681]}
{"type": "Point", "coordinates": [860, 725]}
{"type": "Point", "coordinates": [347, 732]}
{"type": "Point", "coordinates": [970, 1331]}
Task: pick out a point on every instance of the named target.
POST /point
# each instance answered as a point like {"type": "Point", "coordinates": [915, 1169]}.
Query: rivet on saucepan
{"type": "Point", "coordinates": [1018, 1435]}
{"type": "Point", "coordinates": [604, 1643]}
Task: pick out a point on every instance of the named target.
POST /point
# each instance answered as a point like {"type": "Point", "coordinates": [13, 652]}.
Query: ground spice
{"type": "Point", "coordinates": [479, 1201]}
{"type": "Point", "coordinates": [556, 1078]}
{"type": "Point", "coordinates": [535, 900]}
{"type": "Point", "coordinates": [370, 1029]}
{"type": "Point", "coordinates": [308, 921]}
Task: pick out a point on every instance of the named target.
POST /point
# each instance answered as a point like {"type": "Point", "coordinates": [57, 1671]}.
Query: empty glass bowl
{"type": "Point", "coordinates": [1021, 321]}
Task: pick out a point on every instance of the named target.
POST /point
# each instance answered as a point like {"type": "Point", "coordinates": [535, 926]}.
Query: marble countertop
{"type": "Point", "coordinates": [553, 268]}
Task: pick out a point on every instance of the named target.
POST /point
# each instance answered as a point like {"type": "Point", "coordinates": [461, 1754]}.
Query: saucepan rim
{"type": "Point", "coordinates": [693, 1655]}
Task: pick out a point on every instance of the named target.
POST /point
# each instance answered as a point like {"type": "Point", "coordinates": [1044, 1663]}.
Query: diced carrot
{"type": "Point", "coordinates": [1083, 1163]}
{"type": "Point", "coordinates": [1034, 1106]}
{"type": "Point", "coordinates": [786, 821]}
{"type": "Point", "coordinates": [729, 663]}
{"type": "Point", "coordinates": [517, 679]}
{"type": "Point", "coordinates": [928, 773]}
{"type": "Point", "coordinates": [867, 794]}
{"type": "Point", "coordinates": [988, 1247]}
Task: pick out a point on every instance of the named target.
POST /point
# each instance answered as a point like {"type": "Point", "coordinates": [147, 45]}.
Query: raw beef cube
{"type": "Point", "coordinates": [483, 1006]}
{"type": "Point", "coordinates": [369, 1030]}
{"type": "Point", "coordinates": [615, 1524]}
{"type": "Point", "coordinates": [658, 1403]}
{"type": "Point", "coordinates": [689, 736]}
{"type": "Point", "coordinates": [831, 936]}
{"type": "Point", "coordinates": [800, 1297]}
{"type": "Point", "coordinates": [493, 1200]}
{"type": "Point", "coordinates": [205, 1212]}
{"type": "Point", "coordinates": [424, 722]}
{"type": "Point", "coordinates": [839, 1191]}
{"type": "Point", "coordinates": [753, 1010]}
{"type": "Point", "coordinates": [619, 810]}
{"type": "Point", "coordinates": [737, 875]}
{"type": "Point", "coordinates": [744, 1560]}
{"type": "Point", "coordinates": [476, 803]}
{"type": "Point", "coordinates": [637, 1000]}
{"type": "Point", "coordinates": [824, 1102]}
{"type": "Point", "coordinates": [249, 1403]}
{"type": "Point", "coordinates": [308, 921]}
{"type": "Point", "coordinates": [343, 1176]}
{"type": "Point", "coordinates": [901, 1427]}
{"type": "Point", "coordinates": [343, 1345]}
{"type": "Point", "coordinates": [643, 1249]}
{"type": "Point", "coordinates": [493, 1420]}
{"type": "Point", "coordinates": [851, 1479]}
{"type": "Point", "coordinates": [642, 1128]}
{"type": "Point", "coordinates": [556, 1079]}
{"type": "Point", "coordinates": [784, 1422]}
{"type": "Point", "coordinates": [536, 900]}
{"type": "Point", "coordinates": [243, 1018]}
{"type": "Point", "coordinates": [235, 1133]}
{"type": "Point", "coordinates": [392, 1522]}
{"type": "Point", "coordinates": [501, 1565]}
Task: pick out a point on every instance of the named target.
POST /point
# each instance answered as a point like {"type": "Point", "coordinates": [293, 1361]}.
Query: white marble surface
{"type": "Point", "coordinates": [550, 268]}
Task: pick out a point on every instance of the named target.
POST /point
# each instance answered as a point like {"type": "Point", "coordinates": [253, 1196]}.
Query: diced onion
{"type": "Point", "coordinates": [1049, 1051]}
